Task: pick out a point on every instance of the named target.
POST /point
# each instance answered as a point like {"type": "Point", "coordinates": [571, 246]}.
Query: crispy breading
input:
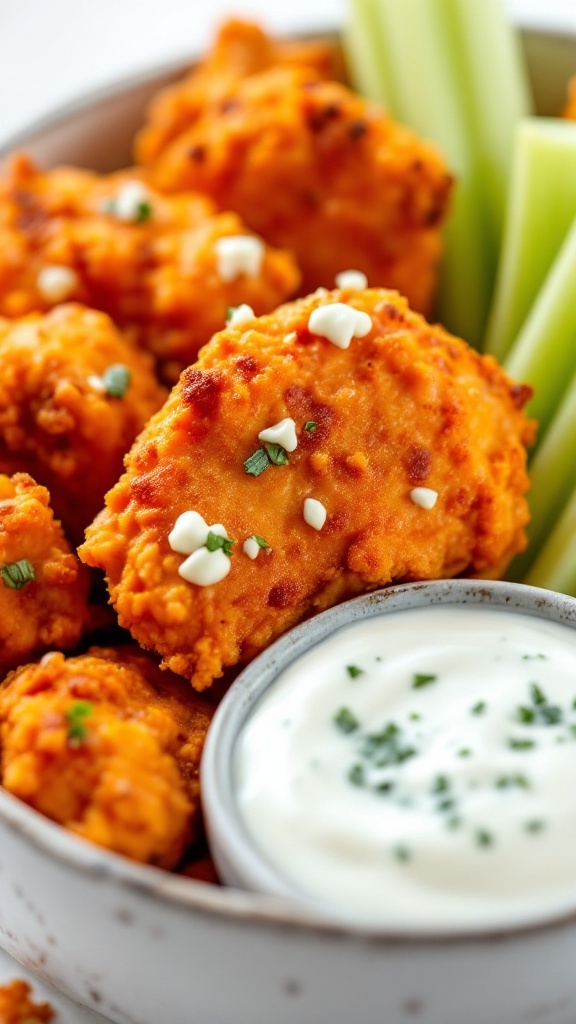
{"type": "Point", "coordinates": [406, 406]}
{"type": "Point", "coordinates": [17, 1007]}
{"type": "Point", "coordinates": [57, 422]}
{"type": "Point", "coordinates": [156, 274]}
{"type": "Point", "coordinates": [49, 610]}
{"type": "Point", "coordinates": [313, 167]}
{"type": "Point", "coordinates": [109, 746]}
{"type": "Point", "coordinates": [241, 48]}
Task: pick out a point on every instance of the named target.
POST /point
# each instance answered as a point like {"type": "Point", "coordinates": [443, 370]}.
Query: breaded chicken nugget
{"type": "Point", "coordinates": [43, 586]}
{"type": "Point", "coordinates": [241, 48]}
{"type": "Point", "coordinates": [570, 108]}
{"type": "Point", "coordinates": [16, 1006]}
{"type": "Point", "coordinates": [313, 167]}
{"type": "Point", "coordinates": [400, 457]}
{"type": "Point", "coordinates": [73, 396]}
{"type": "Point", "coordinates": [156, 265]}
{"type": "Point", "coordinates": [109, 746]}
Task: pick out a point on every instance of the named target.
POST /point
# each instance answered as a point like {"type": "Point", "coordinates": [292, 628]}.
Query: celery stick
{"type": "Point", "coordinates": [544, 354]}
{"type": "Point", "coordinates": [552, 479]}
{"type": "Point", "coordinates": [555, 567]}
{"type": "Point", "coordinates": [364, 54]}
{"type": "Point", "coordinates": [541, 208]}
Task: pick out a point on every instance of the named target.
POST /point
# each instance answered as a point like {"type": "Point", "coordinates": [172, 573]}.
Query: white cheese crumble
{"type": "Point", "coordinates": [290, 338]}
{"type": "Point", "coordinates": [339, 323]}
{"type": "Point", "coordinates": [240, 315]}
{"type": "Point", "coordinates": [425, 497]}
{"type": "Point", "coordinates": [127, 204]}
{"type": "Point", "coordinates": [96, 383]}
{"type": "Point", "coordinates": [282, 433]}
{"type": "Point", "coordinates": [352, 279]}
{"type": "Point", "coordinates": [190, 532]}
{"type": "Point", "coordinates": [56, 284]}
{"type": "Point", "coordinates": [314, 513]}
{"type": "Point", "coordinates": [251, 548]}
{"type": "Point", "coordinates": [239, 254]}
{"type": "Point", "coordinates": [205, 567]}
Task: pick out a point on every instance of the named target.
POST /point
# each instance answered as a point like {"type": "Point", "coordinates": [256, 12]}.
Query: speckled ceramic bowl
{"type": "Point", "coordinates": [146, 947]}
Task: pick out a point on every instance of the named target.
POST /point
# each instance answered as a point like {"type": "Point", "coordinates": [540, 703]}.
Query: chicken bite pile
{"type": "Point", "coordinates": [108, 746]}
{"type": "Point", "coordinates": [403, 415]}
{"type": "Point", "coordinates": [17, 1007]}
{"type": "Point", "coordinates": [43, 587]}
{"type": "Point", "coordinates": [113, 243]}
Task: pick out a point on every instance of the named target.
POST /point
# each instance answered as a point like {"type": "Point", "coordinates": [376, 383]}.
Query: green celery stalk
{"type": "Point", "coordinates": [364, 54]}
{"type": "Point", "coordinates": [544, 353]}
{"type": "Point", "coordinates": [555, 567]}
{"type": "Point", "coordinates": [541, 209]}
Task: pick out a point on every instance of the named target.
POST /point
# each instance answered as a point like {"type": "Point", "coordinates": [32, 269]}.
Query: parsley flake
{"type": "Point", "coordinates": [484, 838]}
{"type": "Point", "coordinates": [116, 380]}
{"type": "Point", "coordinates": [16, 574]}
{"type": "Point", "coordinates": [346, 721]}
{"type": "Point", "coordinates": [75, 717]}
{"type": "Point", "coordinates": [422, 679]}
{"type": "Point", "coordinates": [257, 463]}
{"type": "Point", "coordinates": [479, 708]}
{"type": "Point", "coordinates": [214, 542]}
{"type": "Point", "coordinates": [507, 781]}
{"type": "Point", "coordinates": [534, 826]}
{"type": "Point", "coordinates": [310, 426]}
{"type": "Point", "coordinates": [516, 743]}
{"type": "Point", "coordinates": [277, 454]}
{"type": "Point", "coordinates": [143, 212]}
{"type": "Point", "coordinates": [261, 542]}
{"type": "Point", "coordinates": [354, 671]}
{"type": "Point", "coordinates": [356, 775]}
{"type": "Point", "coordinates": [402, 853]}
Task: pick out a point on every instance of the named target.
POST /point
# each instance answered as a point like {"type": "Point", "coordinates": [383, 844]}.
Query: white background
{"type": "Point", "coordinates": [53, 50]}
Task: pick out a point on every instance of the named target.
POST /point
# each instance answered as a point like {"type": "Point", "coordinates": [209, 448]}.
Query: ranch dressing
{"type": "Point", "coordinates": [417, 770]}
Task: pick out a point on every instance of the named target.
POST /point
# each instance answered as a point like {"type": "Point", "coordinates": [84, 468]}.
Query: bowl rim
{"type": "Point", "coordinates": [212, 901]}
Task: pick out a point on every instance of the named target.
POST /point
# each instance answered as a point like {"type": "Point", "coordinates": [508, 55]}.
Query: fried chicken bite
{"type": "Point", "coordinates": [43, 586]}
{"type": "Point", "coordinates": [153, 263]}
{"type": "Point", "coordinates": [315, 168]}
{"type": "Point", "coordinates": [17, 1007]}
{"type": "Point", "coordinates": [241, 48]}
{"type": "Point", "coordinates": [570, 108]}
{"type": "Point", "coordinates": [109, 746]}
{"type": "Point", "coordinates": [73, 396]}
{"type": "Point", "coordinates": [410, 446]}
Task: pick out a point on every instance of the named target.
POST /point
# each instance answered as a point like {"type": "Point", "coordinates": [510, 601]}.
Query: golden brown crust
{"type": "Point", "coordinates": [406, 406]}
{"type": "Point", "coordinates": [314, 168]}
{"type": "Point", "coordinates": [158, 277]}
{"type": "Point", "coordinates": [17, 1007]}
{"type": "Point", "coordinates": [56, 422]}
{"type": "Point", "coordinates": [127, 779]}
{"type": "Point", "coordinates": [50, 610]}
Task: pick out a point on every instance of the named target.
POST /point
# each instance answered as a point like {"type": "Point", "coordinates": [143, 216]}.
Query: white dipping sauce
{"type": "Point", "coordinates": [421, 803]}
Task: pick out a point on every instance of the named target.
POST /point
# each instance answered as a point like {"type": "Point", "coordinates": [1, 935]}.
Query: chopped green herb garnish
{"type": "Point", "coordinates": [464, 752]}
{"type": "Point", "coordinates": [440, 784]}
{"type": "Point", "coordinates": [277, 454]}
{"type": "Point", "coordinates": [143, 212]}
{"type": "Point", "coordinates": [356, 775]}
{"type": "Point", "coordinates": [16, 574]}
{"type": "Point", "coordinates": [454, 822]}
{"type": "Point", "coordinates": [422, 679]}
{"type": "Point", "coordinates": [230, 312]}
{"type": "Point", "coordinates": [257, 463]}
{"type": "Point", "coordinates": [354, 671]}
{"type": "Point", "coordinates": [542, 713]}
{"type": "Point", "coordinates": [446, 805]}
{"type": "Point", "coordinates": [116, 380]}
{"type": "Point", "coordinates": [310, 426]}
{"type": "Point", "coordinates": [75, 717]}
{"type": "Point", "coordinates": [414, 716]}
{"type": "Point", "coordinates": [526, 715]}
{"type": "Point", "coordinates": [384, 787]}
{"type": "Point", "coordinates": [536, 694]}
{"type": "Point", "coordinates": [386, 748]}
{"type": "Point", "coordinates": [484, 838]}
{"type": "Point", "coordinates": [516, 743]}
{"type": "Point", "coordinates": [536, 825]}
{"type": "Point", "coordinates": [402, 853]}
{"type": "Point", "coordinates": [534, 657]}
{"type": "Point", "coordinates": [346, 721]}
{"type": "Point", "coordinates": [261, 542]}
{"type": "Point", "coordinates": [214, 542]}
{"type": "Point", "coordinates": [479, 708]}
{"type": "Point", "coordinates": [507, 781]}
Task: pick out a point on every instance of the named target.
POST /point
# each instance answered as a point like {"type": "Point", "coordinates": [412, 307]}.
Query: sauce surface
{"type": "Point", "coordinates": [417, 770]}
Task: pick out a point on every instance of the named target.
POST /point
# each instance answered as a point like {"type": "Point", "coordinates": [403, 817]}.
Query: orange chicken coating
{"type": "Point", "coordinates": [57, 421]}
{"type": "Point", "coordinates": [148, 261]}
{"type": "Point", "coordinates": [49, 610]}
{"type": "Point", "coordinates": [241, 48]}
{"type": "Point", "coordinates": [16, 1006]}
{"type": "Point", "coordinates": [570, 108]}
{"type": "Point", "coordinates": [406, 406]}
{"type": "Point", "coordinates": [313, 167]}
{"type": "Point", "coordinates": [109, 746]}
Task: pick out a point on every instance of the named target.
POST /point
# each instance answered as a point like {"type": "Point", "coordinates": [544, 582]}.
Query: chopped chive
{"type": "Point", "coordinates": [277, 454]}
{"type": "Point", "coordinates": [464, 752]}
{"type": "Point", "coordinates": [356, 775]}
{"type": "Point", "coordinates": [16, 574]}
{"type": "Point", "coordinates": [507, 781]}
{"type": "Point", "coordinates": [116, 380]}
{"type": "Point", "coordinates": [440, 784]}
{"type": "Point", "coordinates": [402, 853]}
{"type": "Point", "coordinates": [526, 715]}
{"type": "Point", "coordinates": [346, 721]}
{"type": "Point", "coordinates": [214, 542]}
{"type": "Point", "coordinates": [384, 787]}
{"type": "Point", "coordinates": [516, 743]}
{"type": "Point", "coordinates": [483, 837]}
{"type": "Point", "coordinates": [257, 463]}
{"type": "Point", "coordinates": [536, 825]}
{"type": "Point", "coordinates": [354, 671]}
{"type": "Point", "coordinates": [310, 426]}
{"type": "Point", "coordinates": [534, 657]}
{"type": "Point", "coordinates": [261, 542]}
{"type": "Point", "coordinates": [479, 708]}
{"type": "Point", "coordinates": [446, 805]}
{"type": "Point", "coordinates": [75, 717]}
{"type": "Point", "coordinates": [422, 679]}
{"type": "Point", "coordinates": [230, 312]}
{"type": "Point", "coordinates": [143, 212]}
{"type": "Point", "coordinates": [414, 716]}
{"type": "Point", "coordinates": [536, 694]}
